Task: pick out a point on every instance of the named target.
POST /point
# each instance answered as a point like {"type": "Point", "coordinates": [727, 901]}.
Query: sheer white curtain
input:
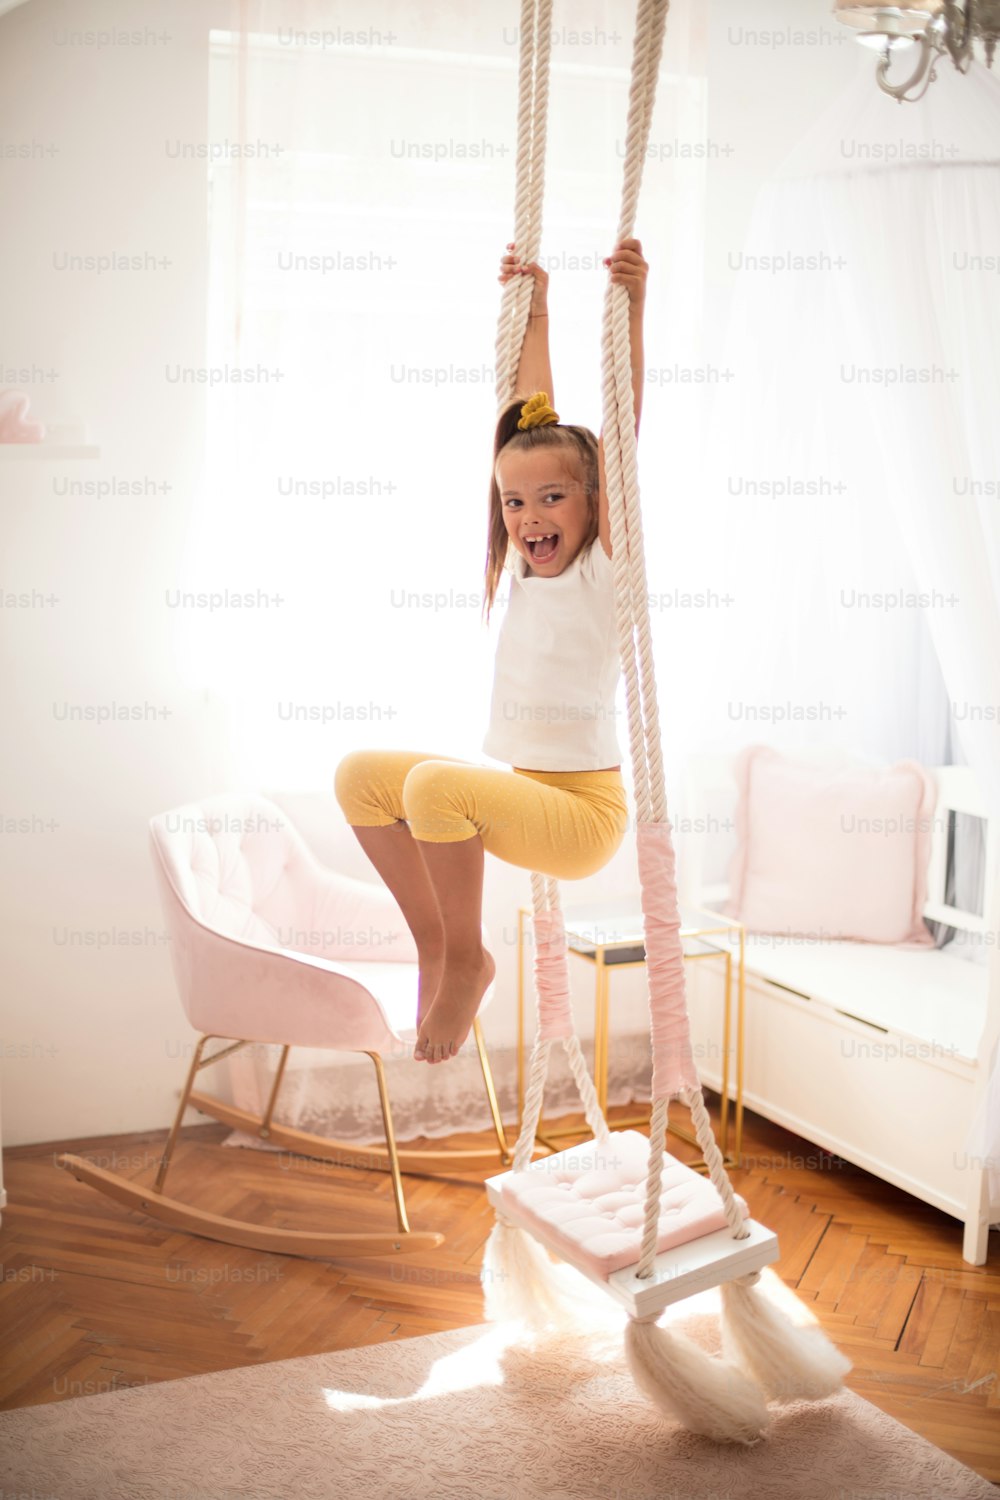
{"type": "Point", "coordinates": [886, 401]}
{"type": "Point", "coordinates": [354, 258]}
{"type": "Point", "coordinates": [353, 266]}
{"type": "Point", "coordinates": [353, 275]}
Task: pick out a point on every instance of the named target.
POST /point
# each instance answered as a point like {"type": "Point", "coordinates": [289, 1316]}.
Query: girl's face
{"type": "Point", "coordinates": [544, 507]}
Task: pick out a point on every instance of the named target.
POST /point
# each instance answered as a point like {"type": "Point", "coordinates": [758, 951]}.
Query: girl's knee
{"type": "Point", "coordinates": [428, 778]}
{"type": "Point", "coordinates": [601, 855]}
{"type": "Point", "coordinates": [432, 802]}
{"type": "Point", "coordinates": [348, 774]}
{"type": "Point", "coordinates": [360, 786]}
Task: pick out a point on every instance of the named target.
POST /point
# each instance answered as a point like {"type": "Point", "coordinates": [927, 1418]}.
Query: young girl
{"type": "Point", "coordinates": [425, 819]}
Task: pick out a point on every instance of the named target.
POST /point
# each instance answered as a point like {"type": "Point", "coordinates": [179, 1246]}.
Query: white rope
{"type": "Point", "coordinates": [654, 1178]}
{"type": "Point", "coordinates": [705, 1136]}
{"type": "Point", "coordinates": [532, 1105]}
{"type": "Point", "coordinates": [632, 595]}
{"type": "Point", "coordinates": [588, 1094]}
{"type": "Point", "coordinates": [532, 114]}
{"type": "Point", "coordinates": [628, 553]}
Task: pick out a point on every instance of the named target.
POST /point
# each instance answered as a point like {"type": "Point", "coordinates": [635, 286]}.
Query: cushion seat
{"type": "Point", "coordinates": [588, 1202]}
{"type": "Point", "coordinates": [923, 995]}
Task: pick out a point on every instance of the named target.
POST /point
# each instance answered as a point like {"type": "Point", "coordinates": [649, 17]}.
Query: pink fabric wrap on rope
{"type": "Point", "coordinates": [673, 1060]}
{"type": "Point", "coordinates": [555, 1015]}
{"type": "Point", "coordinates": [15, 424]}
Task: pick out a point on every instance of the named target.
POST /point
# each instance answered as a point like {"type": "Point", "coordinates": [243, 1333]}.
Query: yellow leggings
{"type": "Point", "coordinates": [567, 824]}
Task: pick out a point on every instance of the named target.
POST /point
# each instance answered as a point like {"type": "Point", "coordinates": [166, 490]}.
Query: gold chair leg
{"type": "Point", "coordinates": [265, 1124]}
{"type": "Point", "coordinates": [491, 1092]}
{"type": "Point", "coordinates": [197, 1063]}
{"type": "Point", "coordinates": [390, 1141]}
{"type": "Point", "coordinates": [171, 1141]}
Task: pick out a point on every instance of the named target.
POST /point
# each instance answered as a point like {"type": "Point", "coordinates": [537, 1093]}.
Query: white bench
{"type": "Point", "coordinates": [875, 1053]}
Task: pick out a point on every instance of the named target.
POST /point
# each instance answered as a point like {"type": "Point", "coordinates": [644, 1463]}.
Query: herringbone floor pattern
{"type": "Point", "coordinates": [94, 1298]}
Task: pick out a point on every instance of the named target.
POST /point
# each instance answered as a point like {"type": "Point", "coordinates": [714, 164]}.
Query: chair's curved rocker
{"type": "Point", "coordinates": [239, 887]}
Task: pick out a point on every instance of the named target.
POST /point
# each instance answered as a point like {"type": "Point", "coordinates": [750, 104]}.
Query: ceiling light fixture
{"type": "Point", "coordinates": [934, 27]}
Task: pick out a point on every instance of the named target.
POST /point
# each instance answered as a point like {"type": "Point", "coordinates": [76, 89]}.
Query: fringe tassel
{"type": "Point", "coordinates": [521, 1283]}
{"type": "Point", "coordinates": [791, 1362]}
{"type": "Point", "coordinates": [703, 1394]}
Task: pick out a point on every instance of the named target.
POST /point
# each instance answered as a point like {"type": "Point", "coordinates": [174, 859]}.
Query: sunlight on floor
{"type": "Point", "coordinates": [478, 1363]}
{"type": "Point", "coordinates": [601, 1327]}
{"type": "Point", "coordinates": [475, 1365]}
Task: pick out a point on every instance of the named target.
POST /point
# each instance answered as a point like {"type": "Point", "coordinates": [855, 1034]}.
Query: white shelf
{"type": "Point", "coordinates": [53, 452]}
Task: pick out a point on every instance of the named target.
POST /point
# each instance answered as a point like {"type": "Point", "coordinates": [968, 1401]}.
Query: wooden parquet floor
{"type": "Point", "coordinates": [95, 1298]}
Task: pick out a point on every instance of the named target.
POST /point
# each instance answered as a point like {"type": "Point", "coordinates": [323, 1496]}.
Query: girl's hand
{"type": "Point", "coordinates": [510, 265]}
{"type": "Point", "coordinates": [628, 269]}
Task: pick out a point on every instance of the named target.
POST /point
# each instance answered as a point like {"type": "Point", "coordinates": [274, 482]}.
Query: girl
{"type": "Point", "coordinates": [424, 820]}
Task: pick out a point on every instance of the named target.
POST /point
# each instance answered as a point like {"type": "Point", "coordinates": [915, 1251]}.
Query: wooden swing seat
{"type": "Point", "coordinates": [587, 1206]}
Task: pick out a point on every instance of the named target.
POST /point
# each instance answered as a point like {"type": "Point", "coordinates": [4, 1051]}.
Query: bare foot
{"type": "Point", "coordinates": [431, 969]}
{"type": "Point", "coordinates": [450, 1018]}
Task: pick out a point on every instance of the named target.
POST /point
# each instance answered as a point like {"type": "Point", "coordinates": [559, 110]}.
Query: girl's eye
{"type": "Point", "coordinates": [553, 496]}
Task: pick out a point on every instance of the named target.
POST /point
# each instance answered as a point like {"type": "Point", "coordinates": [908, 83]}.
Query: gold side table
{"type": "Point", "coordinates": [618, 942]}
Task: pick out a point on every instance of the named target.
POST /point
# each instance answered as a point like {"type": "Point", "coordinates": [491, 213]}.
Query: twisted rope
{"type": "Point", "coordinates": [585, 1087]}
{"type": "Point", "coordinates": [532, 1105]}
{"type": "Point", "coordinates": [628, 551]}
{"type": "Point", "coordinates": [532, 115]}
{"type": "Point", "coordinates": [545, 892]}
{"type": "Point", "coordinates": [529, 186]}
{"type": "Point", "coordinates": [631, 592]}
{"type": "Point", "coordinates": [695, 1101]}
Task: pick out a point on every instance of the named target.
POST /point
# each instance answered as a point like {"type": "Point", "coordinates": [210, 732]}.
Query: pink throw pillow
{"type": "Point", "coordinates": [831, 854]}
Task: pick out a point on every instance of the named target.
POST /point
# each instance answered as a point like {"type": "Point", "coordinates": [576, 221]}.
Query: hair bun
{"type": "Point", "coordinates": [537, 412]}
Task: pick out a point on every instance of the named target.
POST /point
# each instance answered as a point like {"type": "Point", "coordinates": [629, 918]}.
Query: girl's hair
{"type": "Point", "coordinates": [579, 445]}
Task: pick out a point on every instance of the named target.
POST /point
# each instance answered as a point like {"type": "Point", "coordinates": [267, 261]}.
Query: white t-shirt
{"type": "Point", "coordinates": [557, 669]}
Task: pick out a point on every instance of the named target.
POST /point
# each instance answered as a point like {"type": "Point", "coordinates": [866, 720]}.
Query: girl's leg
{"type": "Point", "coordinates": [456, 870]}
{"type": "Point", "coordinates": [455, 811]}
{"type": "Point", "coordinates": [369, 787]}
{"type": "Point", "coordinates": [398, 860]}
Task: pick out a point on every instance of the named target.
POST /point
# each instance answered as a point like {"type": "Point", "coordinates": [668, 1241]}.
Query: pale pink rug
{"type": "Point", "coordinates": [468, 1415]}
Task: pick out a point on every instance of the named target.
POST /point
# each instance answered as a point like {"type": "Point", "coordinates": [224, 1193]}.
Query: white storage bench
{"type": "Point", "coordinates": [875, 1053]}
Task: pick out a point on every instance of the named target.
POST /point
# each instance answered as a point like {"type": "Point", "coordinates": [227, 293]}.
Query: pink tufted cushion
{"type": "Point", "coordinates": [589, 1202]}
{"type": "Point", "coordinates": [243, 869]}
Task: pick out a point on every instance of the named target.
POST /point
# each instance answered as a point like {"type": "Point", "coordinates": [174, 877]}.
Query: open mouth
{"type": "Point", "coordinates": [543, 547]}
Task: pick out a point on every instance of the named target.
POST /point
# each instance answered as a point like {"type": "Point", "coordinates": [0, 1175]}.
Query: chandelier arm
{"type": "Point", "coordinates": [959, 24]}
{"type": "Point", "coordinates": [924, 71]}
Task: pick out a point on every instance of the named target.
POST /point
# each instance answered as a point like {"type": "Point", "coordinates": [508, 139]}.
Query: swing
{"type": "Point", "coordinates": [619, 1210]}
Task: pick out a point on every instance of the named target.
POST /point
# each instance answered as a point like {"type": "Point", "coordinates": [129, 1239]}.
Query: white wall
{"type": "Point", "coordinates": [87, 1029]}
{"type": "Point", "coordinates": [92, 1031]}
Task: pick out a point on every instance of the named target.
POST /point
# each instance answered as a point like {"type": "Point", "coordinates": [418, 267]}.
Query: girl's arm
{"type": "Point", "coordinates": [627, 268]}
{"type": "Point", "coordinates": [534, 371]}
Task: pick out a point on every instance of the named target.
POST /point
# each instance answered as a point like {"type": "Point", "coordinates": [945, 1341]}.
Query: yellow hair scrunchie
{"type": "Point", "coordinates": [537, 412]}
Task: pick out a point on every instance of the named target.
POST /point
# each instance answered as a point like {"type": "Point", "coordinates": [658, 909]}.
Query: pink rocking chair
{"type": "Point", "coordinates": [270, 946]}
